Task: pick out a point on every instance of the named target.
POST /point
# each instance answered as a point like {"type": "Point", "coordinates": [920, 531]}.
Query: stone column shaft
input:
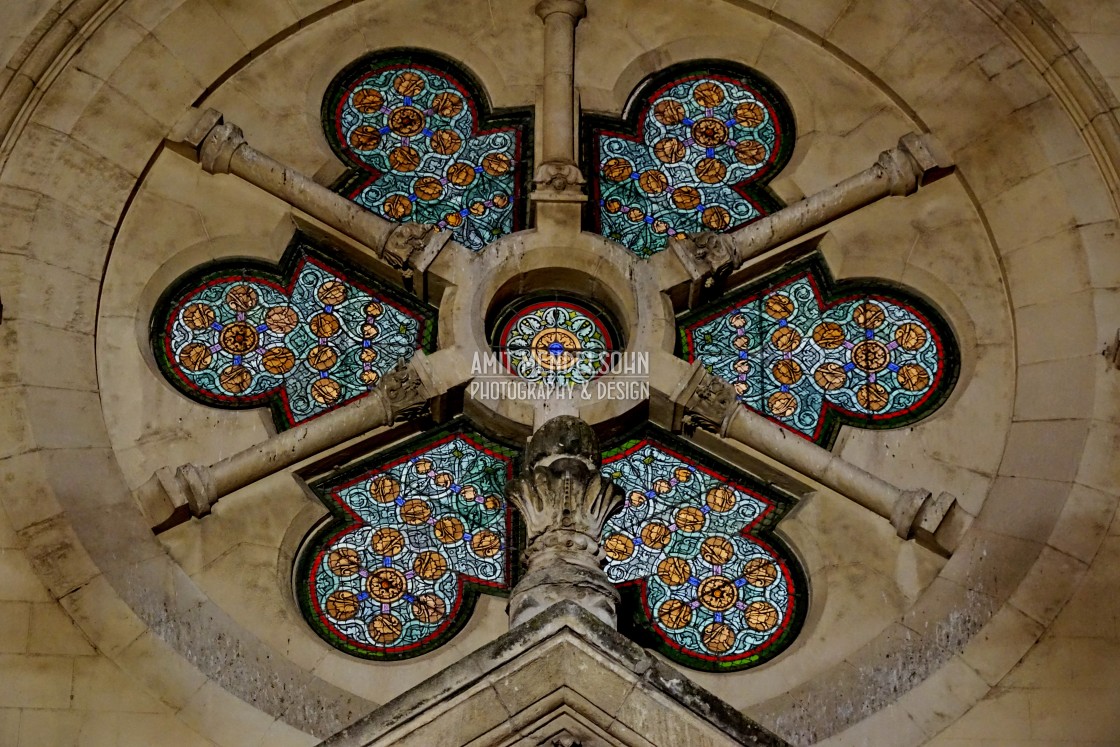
{"type": "Point", "coordinates": [221, 149]}
{"type": "Point", "coordinates": [560, 18]}
{"type": "Point", "coordinates": [707, 257]}
{"type": "Point", "coordinates": [915, 514]}
{"type": "Point", "coordinates": [192, 490]}
{"type": "Point", "coordinates": [558, 178]}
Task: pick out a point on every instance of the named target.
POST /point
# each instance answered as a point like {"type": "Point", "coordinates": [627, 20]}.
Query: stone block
{"type": "Point", "coordinates": [815, 16]}
{"type": "Point", "coordinates": [36, 681]}
{"type": "Point", "coordinates": [104, 51]}
{"type": "Point", "coordinates": [16, 435]}
{"type": "Point", "coordinates": [54, 726]}
{"type": "Point", "coordinates": [1099, 242]}
{"type": "Point", "coordinates": [201, 39]}
{"type": "Point", "coordinates": [64, 419]}
{"type": "Point", "coordinates": [147, 729]}
{"type": "Point", "coordinates": [9, 725]}
{"type": "Point", "coordinates": [117, 535]}
{"type": "Point", "coordinates": [1048, 585]}
{"type": "Point", "coordinates": [991, 564]}
{"type": "Point", "coordinates": [160, 670]}
{"type": "Point", "coordinates": [102, 617]}
{"type": "Point", "coordinates": [1086, 192]}
{"type": "Point", "coordinates": [1047, 270]}
{"type": "Point", "coordinates": [23, 491]}
{"type": "Point", "coordinates": [255, 21]}
{"type": "Point", "coordinates": [1056, 711]}
{"type": "Point", "coordinates": [1023, 507]}
{"type": "Point", "coordinates": [17, 209]}
{"type": "Point", "coordinates": [56, 357]}
{"type": "Point", "coordinates": [59, 231]}
{"type": "Point", "coordinates": [1001, 717]}
{"type": "Point", "coordinates": [53, 632]}
{"type": "Point", "coordinates": [279, 734]}
{"type": "Point", "coordinates": [1056, 390]}
{"type": "Point", "coordinates": [944, 696]}
{"type": "Point", "coordinates": [156, 80]}
{"type": "Point", "coordinates": [1002, 643]}
{"type": "Point", "coordinates": [891, 726]}
{"type": "Point", "coordinates": [1045, 449]}
{"type": "Point", "coordinates": [15, 622]}
{"type": "Point", "coordinates": [119, 129]}
{"type": "Point", "coordinates": [1099, 466]}
{"type": "Point", "coordinates": [1028, 210]}
{"type": "Point", "coordinates": [57, 555]}
{"type": "Point", "coordinates": [18, 580]}
{"type": "Point", "coordinates": [1000, 156]}
{"type": "Point", "coordinates": [100, 685]}
{"type": "Point", "coordinates": [66, 99]}
{"type": "Point", "coordinates": [869, 30]}
{"type": "Point", "coordinates": [1083, 523]}
{"type": "Point", "coordinates": [1056, 330]}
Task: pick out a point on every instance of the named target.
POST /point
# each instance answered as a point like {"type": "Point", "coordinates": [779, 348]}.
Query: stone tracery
{"type": "Point", "coordinates": [702, 260]}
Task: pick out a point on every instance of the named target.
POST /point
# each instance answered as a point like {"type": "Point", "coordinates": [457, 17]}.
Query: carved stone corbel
{"type": "Point", "coordinates": [558, 181]}
{"type": "Point", "coordinates": [564, 502]}
{"type": "Point", "coordinates": [708, 257]}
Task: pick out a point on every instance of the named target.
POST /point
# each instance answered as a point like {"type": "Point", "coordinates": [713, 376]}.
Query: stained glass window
{"type": "Point", "coordinates": [556, 341]}
{"type": "Point", "coordinates": [691, 551]}
{"type": "Point", "coordinates": [418, 534]}
{"type": "Point", "coordinates": [811, 355]}
{"type": "Point", "coordinates": [693, 153]}
{"type": "Point", "coordinates": [303, 337]}
{"type": "Point", "coordinates": [424, 147]}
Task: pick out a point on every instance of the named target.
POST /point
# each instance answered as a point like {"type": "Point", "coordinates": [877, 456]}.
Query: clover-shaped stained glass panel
{"type": "Point", "coordinates": [303, 337]}
{"type": "Point", "coordinates": [691, 550]}
{"type": "Point", "coordinates": [418, 533]}
{"type": "Point", "coordinates": [811, 354]}
{"type": "Point", "coordinates": [693, 153]}
{"type": "Point", "coordinates": [424, 147]}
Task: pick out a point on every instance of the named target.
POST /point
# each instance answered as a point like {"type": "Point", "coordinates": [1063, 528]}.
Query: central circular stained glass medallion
{"type": "Point", "coordinates": [556, 342]}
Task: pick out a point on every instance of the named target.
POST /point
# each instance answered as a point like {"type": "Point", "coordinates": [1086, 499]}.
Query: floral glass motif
{"type": "Point", "coordinates": [811, 355]}
{"type": "Point", "coordinates": [305, 339]}
{"type": "Point", "coordinates": [424, 148]}
{"type": "Point", "coordinates": [698, 150]}
{"type": "Point", "coordinates": [417, 536]}
{"type": "Point", "coordinates": [556, 343]}
{"type": "Point", "coordinates": [686, 550]}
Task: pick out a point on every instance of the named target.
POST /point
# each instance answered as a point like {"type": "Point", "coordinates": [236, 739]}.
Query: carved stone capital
{"type": "Point", "coordinates": [710, 400]}
{"type": "Point", "coordinates": [218, 147]}
{"type": "Point", "coordinates": [564, 502]}
{"type": "Point", "coordinates": [404, 392]}
{"type": "Point", "coordinates": [707, 257]}
{"type": "Point", "coordinates": [577, 9]}
{"type": "Point", "coordinates": [406, 241]}
{"type": "Point", "coordinates": [558, 176]}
